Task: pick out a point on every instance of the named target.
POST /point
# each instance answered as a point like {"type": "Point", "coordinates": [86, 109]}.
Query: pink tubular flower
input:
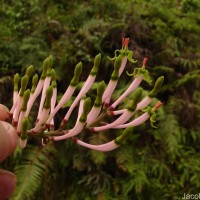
{"type": "Point", "coordinates": [136, 121]}
{"type": "Point", "coordinates": [130, 89]}
{"type": "Point", "coordinates": [102, 147]}
{"type": "Point", "coordinates": [45, 86]}
{"type": "Point", "coordinates": [109, 146]}
{"type": "Point", "coordinates": [141, 119]}
{"type": "Point", "coordinates": [121, 120]}
{"type": "Point", "coordinates": [34, 96]}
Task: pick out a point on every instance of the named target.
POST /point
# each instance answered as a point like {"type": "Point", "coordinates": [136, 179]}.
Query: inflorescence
{"type": "Point", "coordinates": [90, 115]}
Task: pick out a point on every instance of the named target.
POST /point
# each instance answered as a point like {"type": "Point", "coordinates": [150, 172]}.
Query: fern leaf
{"type": "Point", "coordinates": [36, 164]}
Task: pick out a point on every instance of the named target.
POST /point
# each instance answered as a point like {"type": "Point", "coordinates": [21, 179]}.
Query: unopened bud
{"type": "Point", "coordinates": [26, 97]}
{"type": "Point", "coordinates": [49, 93]}
{"type": "Point", "coordinates": [47, 64]}
{"type": "Point", "coordinates": [157, 87]}
{"type": "Point", "coordinates": [117, 65]}
{"type": "Point", "coordinates": [16, 82]}
{"type": "Point", "coordinates": [100, 91]}
{"type": "Point", "coordinates": [53, 78]}
{"type": "Point", "coordinates": [29, 71]}
{"type": "Point", "coordinates": [97, 61]}
{"type": "Point", "coordinates": [34, 83]}
{"type": "Point", "coordinates": [77, 73]}
{"type": "Point", "coordinates": [86, 109]}
{"type": "Point", "coordinates": [120, 139]}
{"type": "Point", "coordinates": [136, 98]}
{"type": "Point", "coordinates": [24, 82]}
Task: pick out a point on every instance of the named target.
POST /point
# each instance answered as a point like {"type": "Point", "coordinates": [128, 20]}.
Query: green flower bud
{"type": "Point", "coordinates": [86, 109]}
{"type": "Point", "coordinates": [16, 82]}
{"type": "Point", "coordinates": [49, 93]}
{"type": "Point", "coordinates": [53, 78]}
{"type": "Point", "coordinates": [24, 128]}
{"type": "Point", "coordinates": [120, 139]}
{"type": "Point", "coordinates": [49, 72]}
{"type": "Point", "coordinates": [24, 82]}
{"type": "Point", "coordinates": [117, 65]}
{"type": "Point", "coordinates": [26, 97]}
{"type": "Point", "coordinates": [136, 98]}
{"type": "Point", "coordinates": [77, 73]}
{"type": "Point", "coordinates": [29, 71]}
{"type": "Point", "coordinates": [53, 75]}
{"type": "Point", "coordinates": [100, 91]}
{"type": "Point", "coordinates": [157, 87]}
{"type": "Point", "coordinates": [47, 64]}
{"type": "Point", "coordinates": [34, 83]}
{"type": "Point", "coordinates": [97, 61]}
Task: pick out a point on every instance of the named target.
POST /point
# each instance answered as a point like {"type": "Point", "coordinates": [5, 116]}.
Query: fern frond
{"type": "Point", "coordinates": [35, 166]}
{"type": "Point", "coordinates": [190, 76]}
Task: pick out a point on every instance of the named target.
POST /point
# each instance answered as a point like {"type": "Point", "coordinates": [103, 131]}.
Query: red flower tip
{"type": "Point", "coordinates": [92, 130]}
{"type": "Point", "coordinates": [33, 132]}
{"type": "Point", "coordinates": [106, 105]}
{"type": "Point", "coordinates": [51, 126]}
{"type": "Point", "coordinates": [145, 61]}
{"type": "Point", "coordinates": [51, 138]}
{"type": "Point", "coordinates": [125, 42]}
{"type": "Point", "coordinates": [64, 122]}
{"type": "Point", "coordinates": [47, 126]}
{"type": "Point", "coordinates": [158, 105]}
{"type": "Point", "coordinates": [74, 139]}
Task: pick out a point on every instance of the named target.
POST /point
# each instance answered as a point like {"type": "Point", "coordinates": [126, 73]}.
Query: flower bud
{"type": "Point", "coordinates": [49, 93]}
{"type": "Point", "coordinates": [97, 61]}
{"type": "Point", "coordinates": [29, 71]}
{"type": "Point", "coordinates": [77, 72]}
{"type": "Point", "coordinates": [100, 91]}
{"type": "Point", "coordinates": [34, 83]}
{"type": "Point", "coordinates": [157, 87]}
{"type": "Point", "coordinates": [47, 64]}
{"type": "Point", "coordinates": [136, 98]}
{"type": "Point", "coordinates": [86, 109]}
{"type": "Point", "coordinates": [16, 82]}
{"type": "Point", "coordinates": [120, 139]}
{"type": "Point", "coordinates": [24, 82]}
{"type": "Point", "coordinates": [117, 65]}
{"type": "Point", "coordinates": [26, 97]}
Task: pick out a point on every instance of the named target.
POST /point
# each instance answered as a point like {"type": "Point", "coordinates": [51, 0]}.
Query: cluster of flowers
{"type": "Point", "coordinates": [89, 116]}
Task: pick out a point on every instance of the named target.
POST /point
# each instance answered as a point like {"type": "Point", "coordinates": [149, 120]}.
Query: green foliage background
{"type": "Point", "coordinates": [161, 163]}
